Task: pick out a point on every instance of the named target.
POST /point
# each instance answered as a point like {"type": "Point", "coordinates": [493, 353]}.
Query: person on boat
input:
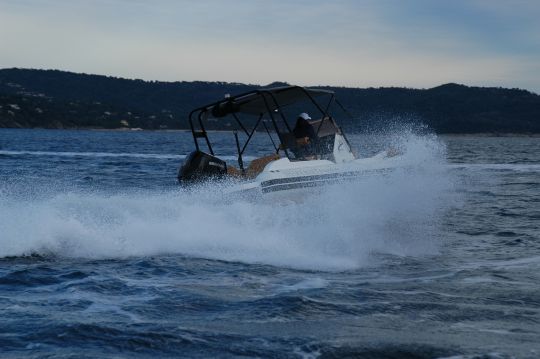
{"type": "Point", "coordinates": [305, 135]}
{"type": "Point", "coordinates": [303, 128]}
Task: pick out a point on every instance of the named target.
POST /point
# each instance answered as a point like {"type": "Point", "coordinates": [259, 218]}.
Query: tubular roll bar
{"type": "Point", "coordinates": [203, 115]}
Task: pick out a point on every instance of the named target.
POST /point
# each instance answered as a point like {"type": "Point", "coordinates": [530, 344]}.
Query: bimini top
{"type": "Point", "coordinates": [262, 100]}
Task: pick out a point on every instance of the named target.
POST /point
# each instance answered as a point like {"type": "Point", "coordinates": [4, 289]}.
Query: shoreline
{"type": "Point", "coordinates": [136, 129]}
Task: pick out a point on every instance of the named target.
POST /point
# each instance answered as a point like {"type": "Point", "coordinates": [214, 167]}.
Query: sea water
{"type": "Point", "coordinates": [102, 254]}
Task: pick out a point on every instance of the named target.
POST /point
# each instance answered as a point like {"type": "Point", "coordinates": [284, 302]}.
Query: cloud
{"type": "Point", "coordinates": [344, 42]}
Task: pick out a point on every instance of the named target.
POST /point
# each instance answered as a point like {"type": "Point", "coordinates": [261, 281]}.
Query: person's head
{"type": "Point", "coordinates": [304, 116]}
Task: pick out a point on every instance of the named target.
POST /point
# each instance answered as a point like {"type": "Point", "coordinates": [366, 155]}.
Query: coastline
{"type": "Point", "coordinates": [136, 129]}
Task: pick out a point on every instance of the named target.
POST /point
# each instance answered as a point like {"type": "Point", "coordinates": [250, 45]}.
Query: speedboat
{"type": "Point", "coordinates": [322, 155]}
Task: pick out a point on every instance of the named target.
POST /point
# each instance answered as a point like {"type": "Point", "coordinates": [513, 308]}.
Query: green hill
{"type": "Point", "coordinates": [59, 99]}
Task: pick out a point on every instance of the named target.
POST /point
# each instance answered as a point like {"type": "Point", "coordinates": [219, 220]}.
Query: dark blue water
{"type": "Point", "coordinates": [102, 255]}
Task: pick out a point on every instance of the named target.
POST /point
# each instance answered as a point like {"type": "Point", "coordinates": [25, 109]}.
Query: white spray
{"type": "Point", "coordinates": [339, 229]}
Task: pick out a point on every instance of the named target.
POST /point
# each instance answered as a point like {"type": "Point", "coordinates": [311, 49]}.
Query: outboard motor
{"type": "Point", "coordinates": [199, 166]}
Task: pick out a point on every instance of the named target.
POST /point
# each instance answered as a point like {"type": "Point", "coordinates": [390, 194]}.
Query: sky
{"type": "Point", "coordinates": [358, 43]}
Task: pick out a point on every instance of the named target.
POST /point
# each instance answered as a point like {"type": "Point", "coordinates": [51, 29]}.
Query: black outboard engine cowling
{"type": "Point", "coordinates": [199, 166]}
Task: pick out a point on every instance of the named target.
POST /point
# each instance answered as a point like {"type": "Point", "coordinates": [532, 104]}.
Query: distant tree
{"type": "Point", "coordinates": [66, 99]}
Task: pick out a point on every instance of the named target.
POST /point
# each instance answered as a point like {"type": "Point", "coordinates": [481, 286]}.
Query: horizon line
{"type": "Point", "coordinates": [265, 85]}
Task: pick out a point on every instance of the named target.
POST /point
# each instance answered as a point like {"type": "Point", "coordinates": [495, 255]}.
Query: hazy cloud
{"type": "Point", "coordinates": [417, 43]}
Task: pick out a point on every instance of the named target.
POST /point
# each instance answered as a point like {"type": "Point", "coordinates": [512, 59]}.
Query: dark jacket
{"type": "Point", "coordinates": [304, 129]}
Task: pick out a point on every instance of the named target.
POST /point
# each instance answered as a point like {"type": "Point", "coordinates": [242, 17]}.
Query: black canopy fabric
{"type": "Point", "coordinates": [260, 101]}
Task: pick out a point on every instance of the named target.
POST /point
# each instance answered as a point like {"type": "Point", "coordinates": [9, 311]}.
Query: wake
{"type": "Point", "coordinates": [339, 229]}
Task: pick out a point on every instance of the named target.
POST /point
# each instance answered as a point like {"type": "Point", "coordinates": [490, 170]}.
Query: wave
{"type": "Point", "coordinates": [519, 167]}
{"type": "Point", "coordinates": [338, 229]}
{"type": "Point", "coordinates": [105, 154]}
{"type": "Point", "coordinates": [90, 154]}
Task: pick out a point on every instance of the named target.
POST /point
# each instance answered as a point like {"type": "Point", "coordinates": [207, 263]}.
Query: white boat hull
{"type": "Point", "coordinates": [289, 179]}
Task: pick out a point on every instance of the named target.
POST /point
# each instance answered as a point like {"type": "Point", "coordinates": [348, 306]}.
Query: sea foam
{"type": "Point", "coordinates": [340, 228]}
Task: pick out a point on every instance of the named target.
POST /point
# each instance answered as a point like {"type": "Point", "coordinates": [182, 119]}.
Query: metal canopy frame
{"type": "Point", "coordinates": [202, 114]}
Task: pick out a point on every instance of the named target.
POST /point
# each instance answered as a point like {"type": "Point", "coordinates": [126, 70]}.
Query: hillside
{"type": "Point", "coordinates": [58, 99]}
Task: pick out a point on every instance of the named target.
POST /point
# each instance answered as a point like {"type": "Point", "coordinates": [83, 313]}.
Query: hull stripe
{"type": "Point", "coordinates": [281, 184]}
